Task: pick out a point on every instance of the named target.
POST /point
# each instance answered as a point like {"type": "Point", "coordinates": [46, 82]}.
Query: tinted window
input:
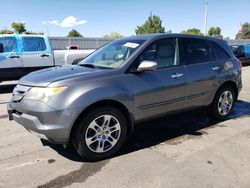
{"type": "Point", "coordinates": [195, 51]}
{"type": "Point", "coordinates": [219, 52]}
{"type": "Point", "coordinates": [31, 44]}
{"type": "Point", "coordinates": [163, 52]}
{"type": "Point", "coordinates": [9, 44]}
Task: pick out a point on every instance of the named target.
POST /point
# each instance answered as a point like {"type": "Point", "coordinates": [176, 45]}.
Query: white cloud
{"type": "Point", "coordinates": [69, 21]}
{"type": "Point", "coordinates": [22, 21]}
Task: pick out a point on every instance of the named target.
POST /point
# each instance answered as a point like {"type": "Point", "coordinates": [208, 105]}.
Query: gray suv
{"type": "Point", "coordinates": [96, 103]}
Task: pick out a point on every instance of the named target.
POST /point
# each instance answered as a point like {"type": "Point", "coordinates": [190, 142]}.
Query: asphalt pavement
{"type": "Point", "coordinates": [185, 150]}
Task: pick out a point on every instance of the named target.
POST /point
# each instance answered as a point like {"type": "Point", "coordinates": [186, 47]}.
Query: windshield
{"type": "Point", "coordinates": [112, 55]}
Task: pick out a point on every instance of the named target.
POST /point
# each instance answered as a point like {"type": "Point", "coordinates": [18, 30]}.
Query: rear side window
{"type": "Point", "coordinates": [9, 44]}
{"type": "Point", "coordinates": [32, 44]}
{"type": "Point", "coordinates": [195, 51]}
{"type": "Point", "coordinates": [219, 52]}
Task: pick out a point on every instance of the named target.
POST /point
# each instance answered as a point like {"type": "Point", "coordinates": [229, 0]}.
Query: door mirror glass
{"type": "Point", "coordinates": [1, 48]}
{"type": "Point", "coordinates": [147, 66]}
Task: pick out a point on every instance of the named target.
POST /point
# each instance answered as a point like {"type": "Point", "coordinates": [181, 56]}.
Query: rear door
{"type": "Point", "coordinates": [203, 70]}
{"type": "Point", "coordinates": [37, 53]}
{"type": "Point", "coordinates": [163, 90]}
{"type": "Point", "coordinates": [10, 60]}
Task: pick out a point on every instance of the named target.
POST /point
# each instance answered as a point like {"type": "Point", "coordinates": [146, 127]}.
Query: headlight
{"type": "Point", "coordinates": [44, 94]}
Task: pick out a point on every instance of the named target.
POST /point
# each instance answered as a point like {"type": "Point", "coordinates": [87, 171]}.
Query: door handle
{"type": "Point", "coordinates": [44, 55]}
{"type": "Point", "coordinates": [177, 75]}
{"type": "Point", "coordinates": [14, 57]}
{"type": "Point", "coordinates": [215, 68]}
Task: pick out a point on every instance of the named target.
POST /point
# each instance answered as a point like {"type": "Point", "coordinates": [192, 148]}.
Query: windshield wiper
{"type": "Point", "coordinates": [87, 65]}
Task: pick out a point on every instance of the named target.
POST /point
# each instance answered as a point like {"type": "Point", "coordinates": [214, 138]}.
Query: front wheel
{"type": "Point", "coordinates": [100, 133]}
{"type": "Point", "coordinates": [223, 103]}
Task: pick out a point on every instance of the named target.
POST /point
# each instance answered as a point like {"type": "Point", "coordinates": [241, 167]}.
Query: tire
{"type": "Point", "coordinates": [220, 109]}
{"type": "Point", "coordinates": [100, 133]}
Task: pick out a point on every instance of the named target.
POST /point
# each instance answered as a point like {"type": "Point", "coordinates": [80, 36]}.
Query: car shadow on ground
{"type": "Point", "coordinates": [164, 129]}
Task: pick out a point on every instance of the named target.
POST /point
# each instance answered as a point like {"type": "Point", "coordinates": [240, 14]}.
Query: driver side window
{"type": "Point", "coordinates": [163, 52]}
{"type": "Point", "coordinates": [9, 44]}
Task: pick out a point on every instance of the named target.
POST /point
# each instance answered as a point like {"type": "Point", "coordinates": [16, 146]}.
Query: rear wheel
{"type": "Point", "coordinates": [223, 103]}
{"type": "Point", "coordinates": [100, 133]}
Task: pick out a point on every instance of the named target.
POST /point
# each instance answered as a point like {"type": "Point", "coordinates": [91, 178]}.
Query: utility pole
{"type": "Point", "coordinates": [205, 24]}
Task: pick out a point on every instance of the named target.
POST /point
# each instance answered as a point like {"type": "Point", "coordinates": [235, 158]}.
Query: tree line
{"type": "Point", "coordinates": [152, 25]}
{"type": "Point", "coordinates": [19, 28]}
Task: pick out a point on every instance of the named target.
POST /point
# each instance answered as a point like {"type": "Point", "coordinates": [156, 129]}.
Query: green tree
{"type": "Point", "coordinates": [34, 33]}
{"type": "Point", "coordinates": [74, 33]}
{"type": "Point", "coordinates": [215, 32]}
{"type": "Point", "coordinates": [193, 31]}
{"type": "Point", "coordinates": [152, 25]}
{"type": "Point", "coordinates": [6, 31]}
{"type": "Point", "coordinates": [18, 27]}
{"type": "Point", "coordinates": [113, 35]}
{"type": "Point", "coordinates": [244, 32]}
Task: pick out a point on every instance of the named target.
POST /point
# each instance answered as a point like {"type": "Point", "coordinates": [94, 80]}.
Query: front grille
{"type": "Point", "coordinates": [19, 92]}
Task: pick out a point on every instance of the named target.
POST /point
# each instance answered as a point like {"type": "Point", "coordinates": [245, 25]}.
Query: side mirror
{"type": "Point", "coordinates": [1, 48]}
{"type": "Point", "coordinates": [147, 66]}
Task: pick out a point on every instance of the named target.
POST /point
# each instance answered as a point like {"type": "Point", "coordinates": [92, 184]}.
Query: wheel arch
{"type": "Point", "coordinates": [111, 103]}
{"type": "Point", "coordinates": [230, 83]}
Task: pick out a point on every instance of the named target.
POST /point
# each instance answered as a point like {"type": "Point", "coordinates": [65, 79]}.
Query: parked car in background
{"type": "Point", "coordinates": [73, 47]}
{"type": "Point", "coordinates": [96, 103]}
{"type": "Point", "coordinates": [242, 52]}
{"type": "Point", "coordinates": [22, 54]}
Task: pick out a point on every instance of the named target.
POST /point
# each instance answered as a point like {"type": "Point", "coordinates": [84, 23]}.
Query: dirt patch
{"type": "Point", "coordinates": [186, 137]}
{"type": "Point", "coordinates": [3, 116]}
{"type": "Point", "coordinates": [209, 162]}
{"type": "Point", "coordinates": [51, 161]}
{"type": "Point", "coordinates": [77, 176]}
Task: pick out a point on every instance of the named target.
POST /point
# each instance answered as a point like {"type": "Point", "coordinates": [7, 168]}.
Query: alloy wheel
{"type": "Point", "coordinates": [102, 133]}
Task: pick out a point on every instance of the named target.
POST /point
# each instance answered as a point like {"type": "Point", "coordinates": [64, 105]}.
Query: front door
{"type": "Point", "coordinates": [10, 60]}
{"type": "Point", "coordinates": [163, 90]}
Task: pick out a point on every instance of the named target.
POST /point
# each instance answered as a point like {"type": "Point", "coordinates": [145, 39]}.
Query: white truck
{"type": "Point", "coordinates": [22, 54]}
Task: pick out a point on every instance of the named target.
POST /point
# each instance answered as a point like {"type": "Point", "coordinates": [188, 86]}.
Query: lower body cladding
{"type": "Point", "coordinates": [49, 123]}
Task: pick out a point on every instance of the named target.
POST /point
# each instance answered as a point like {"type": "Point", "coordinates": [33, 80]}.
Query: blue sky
{"type": "Point", "coordinates": [98, 17]}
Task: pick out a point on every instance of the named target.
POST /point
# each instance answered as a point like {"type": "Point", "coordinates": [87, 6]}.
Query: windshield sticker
{"type": "Point", "coordinates": [131, 45]}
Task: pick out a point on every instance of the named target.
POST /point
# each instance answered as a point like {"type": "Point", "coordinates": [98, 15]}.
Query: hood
{"type": "Point", "coordinates": [43, 78]}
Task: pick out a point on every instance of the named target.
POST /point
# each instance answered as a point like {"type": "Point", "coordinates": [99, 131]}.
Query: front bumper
{"type": "Point", "coordinates": [49, 123]}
